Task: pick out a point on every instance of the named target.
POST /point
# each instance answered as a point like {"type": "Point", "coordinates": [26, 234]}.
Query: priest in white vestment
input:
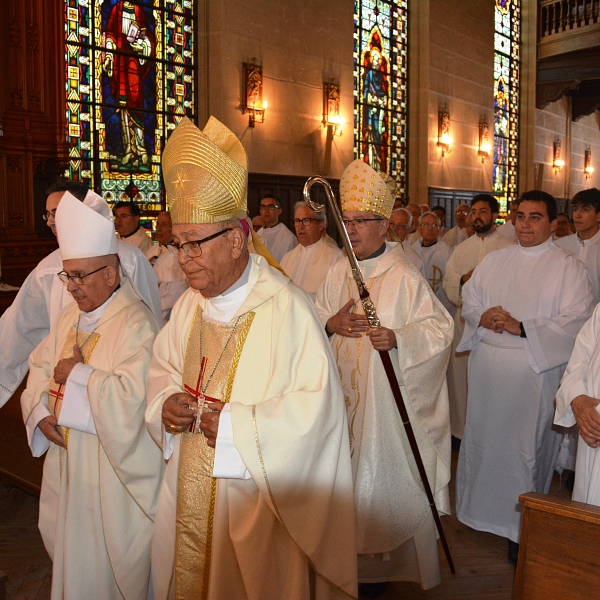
{"type": "Point", "coordinates": [459, 268]}
{"type": "Point", "coordinates": [507, 229]}
{"type": "Point", "coordinates": [34, 310]}
{"type": "Point", "coordinates": [434, 252]}
{"type": "Point", "coordinates": [400, 224]}
{"type": "Point", "coordinates": [162, 255]}
{"type": "Point", "coordinates": [578, 402]}
{"type": "Point", "coordinates": [585, 244]}
{"type": "Point", "coordinates": [396, 536]}
{"type": "Point", "coordinates": [84, 407]}
{"type": "Point", "coordinates": [307, 264]}
{"type": "Point", "coordinates": [458, 234]}
{"type": "Point", "coordinates": [523, 308]}
{"type": "Point", "coordinates": [127, 222]}
{"type": "Point", "coordinates": [256, 502]}
{"type": "Point", "coordinates": [275, 235]}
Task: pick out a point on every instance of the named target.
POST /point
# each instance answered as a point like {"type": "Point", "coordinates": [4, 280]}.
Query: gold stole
{"type": "Point", "coordinates": [57, 390]}
{"type": "Point", "coordinates": [196, 487]}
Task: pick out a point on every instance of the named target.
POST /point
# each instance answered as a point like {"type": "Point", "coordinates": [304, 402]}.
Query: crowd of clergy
{"type": "Point", "coordinates": [214, 409]}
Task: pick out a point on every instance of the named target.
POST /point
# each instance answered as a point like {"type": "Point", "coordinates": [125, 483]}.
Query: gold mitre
{"type": "Point", "coordinates": [205, 174]}
{"type": "Point", "coordinates": [362, 188]}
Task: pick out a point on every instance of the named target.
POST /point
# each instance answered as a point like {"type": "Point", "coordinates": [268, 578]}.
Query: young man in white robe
{"type": "Point", "coordinates": [396, 538]}
{"type": "Point", "coordinates": [458, 234]}
{"type": "Point", "coordinates": [400, 224]}
{"type": "Point", "coordinates": [507, 229]}
{"type": "Point", "coordinates": [307, 264]}
{"type": "Point", "coordinates": [459, 268]}
{"type": "Point", "coordinates": [84, 407]}
{"type": "Point", "coordinates": [127, 223]}
{"type": "Point", "coordinates": [162, 255]}
{"type": "Point", "coordinates": [523, 308]}
{"type": "Point", "coordinates": [42, 296]}
{"type": "Point", "coordinates": [585, 244]}
{"type": "Point", "coordinates": [275, 235]}
{"type": "Point", "coordinates": [259, 494]}
{"type": "Point", "coordinates": [578, 402]}
{"type": "Point", "coordinates": [434, 252]}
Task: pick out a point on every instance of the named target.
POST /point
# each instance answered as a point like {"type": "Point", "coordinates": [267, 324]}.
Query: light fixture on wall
{"type": "Point", "coordinates": [587, 165]}
{"type": "Point", "coordinates": [557, 162]}
{"type": "Point", "coordinates": [444, 137]}
{"type": "Point", "coordinates": [253, 102]}
{"type": "Point", "coordinates": [485, 148]}
{"type": "Point", "coordinates": [331, 119]}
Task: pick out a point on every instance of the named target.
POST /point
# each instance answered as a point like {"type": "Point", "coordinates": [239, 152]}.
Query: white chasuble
{"type": "Point", "coordinates": [509, 446]}
{"type": "Point", "coordinates": [582, 377]}
{"type": "Point", "coordinates": [466, 257]}
{"type": "Point", "coordinates": [394, 521]}
{"type": "Point", "coordinates": [289, 427]}
{"type": "Point", "coordinates": [99, 496]}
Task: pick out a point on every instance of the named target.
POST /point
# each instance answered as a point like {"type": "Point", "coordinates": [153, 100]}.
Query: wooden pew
{"type": "Point", "coordinates": [559, 554]}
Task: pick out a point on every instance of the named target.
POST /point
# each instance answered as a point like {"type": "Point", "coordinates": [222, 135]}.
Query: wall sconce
{"type": "Point", "coordinates": [485, 148]}
{"type": "Point", "coordinates": [253, 102]}
{"type": "Point", "coordinates": [444, 137]}
{"type": "Point", "coordinates": [557, 162]}
{"type": "Point", "coordinates": [331, 108]}
{"type": "Point", "coordinates": [588, 169]}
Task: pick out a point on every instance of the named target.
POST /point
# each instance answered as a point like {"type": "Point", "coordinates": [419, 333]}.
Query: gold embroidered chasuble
{"type": "Point", "coordinates": [221, 344]}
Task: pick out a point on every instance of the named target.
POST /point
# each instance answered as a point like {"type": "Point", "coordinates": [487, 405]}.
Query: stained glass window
{"type": "Point", "coordinates": [506, 100]}
{"type": "Point", "coordinates": [130, 79]}
{"type": "Point", "coordinates": [380, 93]}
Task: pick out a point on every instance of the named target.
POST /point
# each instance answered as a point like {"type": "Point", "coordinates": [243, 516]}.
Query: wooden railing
{"type": "Point", "coordinates": [558, 16]}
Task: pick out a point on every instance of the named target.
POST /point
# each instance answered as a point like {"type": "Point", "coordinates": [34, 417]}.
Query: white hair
{"type": "Point", "coordinates": [320, 215]}
{"type": "Point", "coordinates": [432, 214]}
{"type": "Point", "coordinates": [404, 211]}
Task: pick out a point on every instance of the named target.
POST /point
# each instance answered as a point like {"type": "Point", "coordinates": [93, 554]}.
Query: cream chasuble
{"type": "Point", "coordinates": [466, 256]}
{"type": "Point", "coordinates": [394, 521]}
{"type": "Point", "coordinates": [289, 427]}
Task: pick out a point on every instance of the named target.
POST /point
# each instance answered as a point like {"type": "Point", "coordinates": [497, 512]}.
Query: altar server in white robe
{"type": "Point", "coordinates": [507, 229]}
{"type": "Point", "coordinates": [578, 402]}
{"type": "Point", "coordinates": [400, 224]}
{"type": "Point", "coordinates": [458, 234]}
{"type": "Point", "coordinates": [396, 538]}
{"type": "Point", "coordinates": [84, 407]}
{"type": "Point", "coordinates": [523, 308]}
{"type": "Point", "coordinates": [307, 264]}
{"type": "Point", "coordinates": [585, 244]}
{"type": "Point", "coordinates": [34, 310]}
{"type": "Point", "coordinates": [251, 518]}
{"type": "Point", "coordinates": [434, 252]}
{"type": "Point", "coordinates": [162, 255]}
{"type": "Point", "coordinates": [459, 268]}
{"type": "Point", "coordinates": [275, 235]}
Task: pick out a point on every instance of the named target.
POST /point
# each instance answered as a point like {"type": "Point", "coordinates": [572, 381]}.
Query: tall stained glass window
{"type": "Point", "coordinates": [380, 93]}
{"type": "Point", "coordinates": [506, 100]}
{"type": "Point", "coordinates": [130, 79]}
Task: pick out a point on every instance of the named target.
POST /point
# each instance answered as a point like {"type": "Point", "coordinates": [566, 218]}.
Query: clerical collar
{"type": "Point", "coordinates": [243, 280]}
{"type": "Point", "coordinates": [590, 241]}
{"type": "Point", "coordinates": [539, 249]}
{"type": "Point", "coordinates": [124, 237]}
{"type": "Point", "coordinates": [375, 254]}
{"type": "Point", "coordinates": [312, 246]}
{"type": "Point", "coordinates": [430, 245]}
{"type": "Point", "coordinates": [92, 317]}
{"type": "Point", "coordinates": [223, 307]}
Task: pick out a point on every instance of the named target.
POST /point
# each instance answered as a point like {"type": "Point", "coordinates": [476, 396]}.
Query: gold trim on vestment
{"type": "Point", "coordinates": [196, 487]}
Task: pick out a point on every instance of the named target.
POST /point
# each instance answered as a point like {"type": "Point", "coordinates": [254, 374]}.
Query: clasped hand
{"type": "Point", "coordinates": [588, 419]}
{"type": "Point", "coordinates": [499, 320]}
{"type": "Point", "coordinates": [65, 366]}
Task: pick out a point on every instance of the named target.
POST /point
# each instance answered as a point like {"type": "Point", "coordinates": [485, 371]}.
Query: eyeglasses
{"type": "Point", "coordinates": [117, 217]}
{"type": "Point", "coordinates": [47, 215]}
{"type": "Point", "coordinates": [462, 212]}
{"type": "Point", "coordinates": [76, 279]}
{"type": "Point", "coordinates": [357, 222]}
{"type": "Point", "coordinates": [429, 225]}
{"type": "Point", "coordinates": [193, 248]}
{"type": "Point", "coordinates": [306, 221]}
{"type": "Point", "coordinates": [269, 207]}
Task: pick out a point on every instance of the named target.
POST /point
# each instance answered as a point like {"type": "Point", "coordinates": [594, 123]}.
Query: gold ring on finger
{"type": "Point", "coordinates": [349, 329]}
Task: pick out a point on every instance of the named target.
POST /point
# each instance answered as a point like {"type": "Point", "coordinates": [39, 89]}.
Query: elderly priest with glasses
{"type": "Point", "coordinates": [244, 398]}
{"type": "Point", "coordinates": [396, 537]}
{"type": "Point", "coordinates": [84, 407]}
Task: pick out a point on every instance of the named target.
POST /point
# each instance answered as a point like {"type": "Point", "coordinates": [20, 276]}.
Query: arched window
{"type": "Point", "coordinates": [506, 100]}
{"type": "Point", "coordinates": [380, 93]}
{"type": "Point", "coordinates": [130, 79]}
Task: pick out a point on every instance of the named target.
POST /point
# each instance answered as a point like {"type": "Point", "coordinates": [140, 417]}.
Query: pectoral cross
{"type": "Point", "coordinates": [200, 396]}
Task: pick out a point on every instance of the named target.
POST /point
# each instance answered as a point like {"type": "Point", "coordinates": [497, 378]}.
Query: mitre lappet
{"type": "Point", "coordinates": [363, 189]}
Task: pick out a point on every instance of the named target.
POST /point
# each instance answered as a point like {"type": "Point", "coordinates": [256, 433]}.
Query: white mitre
{"type": "Point", "coordinates": [85, 229]}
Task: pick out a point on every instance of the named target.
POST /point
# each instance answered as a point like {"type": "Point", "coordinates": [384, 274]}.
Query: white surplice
{"type": "Point", "coordinates": [587, 251]}
{"type": "Point", "coordinates": [99, 496]}
{"type": "Point", "coordinates": [508, 447]}
{"type": "Point", "coordinates": [433, 268]}
{"type": "Point", "coordinates": [466, 256]}
{"type": "Point", "coordinates": [396, 538]}
{"type": "Point", "coordinates": [455, 236]}
{"type": "Point", "coordinates": [42, 296]}
{"type": "Point", "coordinates": [278, 240]}
{"type": "Point", "coordinates": [582, 377]}
{"type": "Point", "coordinates": [140, 239]}
{"type": "Point", "coordinates": [307, 266]}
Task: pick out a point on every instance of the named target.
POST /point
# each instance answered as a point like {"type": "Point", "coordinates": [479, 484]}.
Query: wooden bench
{"type": "Point", "coordinates": [559, 554]}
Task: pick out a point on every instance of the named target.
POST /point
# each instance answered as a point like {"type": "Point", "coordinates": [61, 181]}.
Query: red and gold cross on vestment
{"type": "Point", "coordinates": [198, 394]}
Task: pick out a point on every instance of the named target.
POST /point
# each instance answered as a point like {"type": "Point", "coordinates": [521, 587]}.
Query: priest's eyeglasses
{"type": "Point", "coordinates": [357, 222]}
{"type": "Point", "coordinates": [77, 279]}
{"type": "Point", "coordinates": [193, 248]}
{"type": "Point", "coordinates": [49, 215]}
{"type": "Point", "coordinates": [306, 221]}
